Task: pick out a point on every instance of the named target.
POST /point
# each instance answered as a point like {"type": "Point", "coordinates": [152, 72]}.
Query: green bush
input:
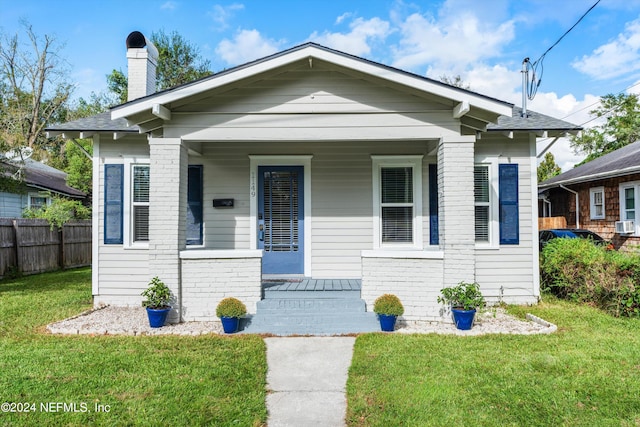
{"type": "Point", "coordinates": [578, 270]}
{"type": "Point", "coordinates": [389, 305]}
{"type": "Point", "coordinates": [231, 307]}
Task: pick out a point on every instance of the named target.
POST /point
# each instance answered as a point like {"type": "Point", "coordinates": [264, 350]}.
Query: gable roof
{"type": "Point", "coordinates": [500, 116]}
{"type": "Point", "coordinates": [43, 177]}
{"type": "Point", "coordinates": [623, 161]}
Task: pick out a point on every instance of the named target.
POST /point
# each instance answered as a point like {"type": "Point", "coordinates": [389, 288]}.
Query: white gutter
{"type": "Point", "coordinates": [577, 204]}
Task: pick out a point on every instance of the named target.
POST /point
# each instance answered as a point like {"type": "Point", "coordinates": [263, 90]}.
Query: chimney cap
{"type": "Point", "coordinates": [136, 40]}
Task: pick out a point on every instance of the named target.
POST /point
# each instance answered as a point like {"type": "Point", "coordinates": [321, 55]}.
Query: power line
{"type": "Point", "coordinates": [532, 87]}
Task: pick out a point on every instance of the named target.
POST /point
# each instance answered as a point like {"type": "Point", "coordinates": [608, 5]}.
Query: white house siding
{"type": "Point", "coordinates": [509, 271]}
{"type": "Point", "coordinates": [341, 197]}
{"type": "Point", "coordinates": [123, 273]}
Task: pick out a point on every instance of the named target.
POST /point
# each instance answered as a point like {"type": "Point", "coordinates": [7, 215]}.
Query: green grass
{"type": "Point", "coordinates": [161, 380]}
{"type": "Point", "coordinates": [586, 374]}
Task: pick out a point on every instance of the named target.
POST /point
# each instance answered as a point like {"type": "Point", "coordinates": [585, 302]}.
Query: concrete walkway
{"type": "Point", "coordinates": [307, 379]}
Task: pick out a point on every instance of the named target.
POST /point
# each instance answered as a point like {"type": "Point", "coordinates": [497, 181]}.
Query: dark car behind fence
{"type": "Point", "coordinates": [30, 246]}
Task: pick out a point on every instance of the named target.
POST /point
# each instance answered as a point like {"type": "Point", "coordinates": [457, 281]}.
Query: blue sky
{"type": "Point", "coordinates": [482, 41]}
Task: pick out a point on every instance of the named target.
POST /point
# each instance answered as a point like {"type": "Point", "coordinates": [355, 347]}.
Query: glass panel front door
{"type": "Point", "coordinates": [281, 219]}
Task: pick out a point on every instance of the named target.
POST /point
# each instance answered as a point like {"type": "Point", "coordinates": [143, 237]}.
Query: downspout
{"type": "Point", "coordinates": [577, 205]}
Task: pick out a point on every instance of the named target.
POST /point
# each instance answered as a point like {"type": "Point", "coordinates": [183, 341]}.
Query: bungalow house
{"type": "Point", "coordinates": [35, 185]}
{"type": "Point", "coordinates": [600, 196]}
{"type": "Point", "coordinates": [311, 163]}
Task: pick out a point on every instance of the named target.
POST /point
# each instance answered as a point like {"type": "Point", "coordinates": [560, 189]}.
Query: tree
{"type": "Point", "coordinates": [33, 88]}
{"type": "Point", "coordinates": [179, 62]}
{"type": "Point", "coordinates": [621, 127]}
{"type": "Point", "coordinates": [548, 168]}
{"type": "Point", "coordinates": [455, 81]}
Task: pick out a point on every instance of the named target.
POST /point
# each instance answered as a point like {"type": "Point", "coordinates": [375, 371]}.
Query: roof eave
{"type": "Point", "coordinates": [592, 177]}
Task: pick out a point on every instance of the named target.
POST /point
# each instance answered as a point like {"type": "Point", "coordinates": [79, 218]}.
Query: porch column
{"type": "Point", "coordinates": [456, 211]}
{"type": "Point", "coordinates": [167, 214]}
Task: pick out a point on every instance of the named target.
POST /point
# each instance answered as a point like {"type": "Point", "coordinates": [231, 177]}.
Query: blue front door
{"type": "Point", "coordinates": [281, 219]}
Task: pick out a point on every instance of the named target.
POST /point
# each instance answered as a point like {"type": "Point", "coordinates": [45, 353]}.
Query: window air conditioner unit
{"type": "Point", "coordinates": [624, 227]}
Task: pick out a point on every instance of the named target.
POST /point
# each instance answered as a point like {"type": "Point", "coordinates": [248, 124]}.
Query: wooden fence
{"type": "Point", "coordinates": [30, 246]}
{"type": "Point", "coordinates": [552, 222]}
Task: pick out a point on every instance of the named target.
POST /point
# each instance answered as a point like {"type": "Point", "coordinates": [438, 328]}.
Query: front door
{"type": "Point", "coordinates": [281, 219]}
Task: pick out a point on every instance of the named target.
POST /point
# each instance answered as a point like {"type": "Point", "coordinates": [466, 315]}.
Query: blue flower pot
{"type": "Point", "coordinates": [463, 318]}
{"type": "Point", "coordinates": [230, 324]}
{"type": "Point", "coordinates": [387, 322]}
{"type": "Point", "coordinates": [157, 317]}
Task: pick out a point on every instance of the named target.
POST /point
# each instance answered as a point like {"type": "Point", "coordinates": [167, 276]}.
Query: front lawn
{"type": "Point", "coordinates": [108, 380]}
{"type": "Point", "coordinates": [586, 374]}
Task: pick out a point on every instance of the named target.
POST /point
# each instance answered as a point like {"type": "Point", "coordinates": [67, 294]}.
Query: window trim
{"type": "Point", "coordinates": [494, 204]}
{"type": "Point", "coordinates": [40, 194]}
{"type": "Point", "coordinates": [635, 185]}
{"type": "Point", "coordinates": [592, 205]}
{"type": "Point", "coordinates": [415, 162]}
{"type": "Point", "coordinates": [129, 164]}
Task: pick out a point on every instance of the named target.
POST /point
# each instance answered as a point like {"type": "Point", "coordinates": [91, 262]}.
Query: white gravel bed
{"type": "Point", "coordinates": [491, 321]}
{"type": "Point", "coordinates": [111, 320]}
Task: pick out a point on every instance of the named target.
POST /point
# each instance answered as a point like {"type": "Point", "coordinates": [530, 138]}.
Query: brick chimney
{"type": "Point", "coordinates": [142, 58]}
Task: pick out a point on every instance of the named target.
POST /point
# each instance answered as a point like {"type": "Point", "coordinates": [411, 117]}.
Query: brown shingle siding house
{"type": "Point", "coordinates": [607, 191]}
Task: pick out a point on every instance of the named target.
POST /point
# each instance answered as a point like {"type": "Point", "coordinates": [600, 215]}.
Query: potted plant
{"type": "Point", "coordinates": [230, 310]}
{"type": "Point", "coordinates": [464, 299]}
{"type": "Point", "coordinates": [158, 296]}
{"type": "Point", "coordinates": [388, 307]}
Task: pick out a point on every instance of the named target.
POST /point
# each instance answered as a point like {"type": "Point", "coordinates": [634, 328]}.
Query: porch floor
{"type": "Point", "coordinates": [308, 284]}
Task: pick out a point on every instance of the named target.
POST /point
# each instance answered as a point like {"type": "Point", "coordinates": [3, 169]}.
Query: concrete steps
{"type": "Point", "coordinates": [304, 312]}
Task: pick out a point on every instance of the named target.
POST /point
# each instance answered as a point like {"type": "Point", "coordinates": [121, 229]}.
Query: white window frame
{"type": "Point", "coordinates": [494, 209]}
{"type": "Point", "coordinates": [635, 185]}
{"type": "Point", "coordinates": [42, 195]}
{"type": "Point", "coordinates": [415, 162]}
{"type": "Point", "coordinates": [128, 241]}
{"type": "Point", "coordinates": [592, 203]}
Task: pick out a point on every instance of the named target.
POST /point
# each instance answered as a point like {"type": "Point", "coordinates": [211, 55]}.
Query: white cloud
{"type": "Point", "coordinates": [342, 17]}
{"type": "Point", "coordinates": [246, 46]}
{"type": "Point", "coordinates": [221, 15]}
{"type": "Point", "coordinates": [616, 58]}
{"type": "Point", "coordinates": [169, 5]}
{"type": "Point", "coordinates": [450, 43]}
{"type": "Point", "coordinates": [357, 41]}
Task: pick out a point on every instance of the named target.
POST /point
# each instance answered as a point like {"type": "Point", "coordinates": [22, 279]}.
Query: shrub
{"type": "Point", "coordinates": [389, 305]}
{"type": "Point", "coordinates": [231, 307]}
{"type": "Point", "coordinates": [157, 294]}
{"type": "Point", "coordinates": [465, 296]}
{"type": "Point", "coordinates": [578, 270]}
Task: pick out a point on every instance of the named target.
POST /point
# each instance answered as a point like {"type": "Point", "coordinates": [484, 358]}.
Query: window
{"type": "Point", "coordinates": [596, 197]}
{"type": "Point", "coordinates": [628, 210]}
{"type": "Point", "coordinates": [481, 189]}
{"type": "Point", "coordinates": [133, 222]}
{"type": "Point", "coordinates": [38, 201]}
{"type": "Point", "coordinates": [496, 202]}
{"type": "Point", "coordinates": [397, 187]}
{"type": "Point", "coordinates": [140, 204]}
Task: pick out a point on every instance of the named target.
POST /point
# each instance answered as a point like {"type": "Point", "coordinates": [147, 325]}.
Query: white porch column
{"type": "Point", "coordinates": [167, 214]}
{"type": "Point", "coordinates": [456, 211]}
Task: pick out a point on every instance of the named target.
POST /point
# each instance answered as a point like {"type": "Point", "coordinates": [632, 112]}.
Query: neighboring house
{"type": "Point", "coordinates": [39, 182]}
{"type": "Point", "coordinates": [606, 192]}
{"type": "Point", "coordinates": [312, 163]}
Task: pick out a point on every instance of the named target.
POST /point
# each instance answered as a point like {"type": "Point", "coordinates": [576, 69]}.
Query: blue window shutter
{"type": "Point", "coordinates": [434, 237]}
{"type": "Point", "coordinates": [194, 205]}
{"type": "Point", "coordinates": [508, 199]}
{"type": "Point", "coordinates": [113, 204]}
